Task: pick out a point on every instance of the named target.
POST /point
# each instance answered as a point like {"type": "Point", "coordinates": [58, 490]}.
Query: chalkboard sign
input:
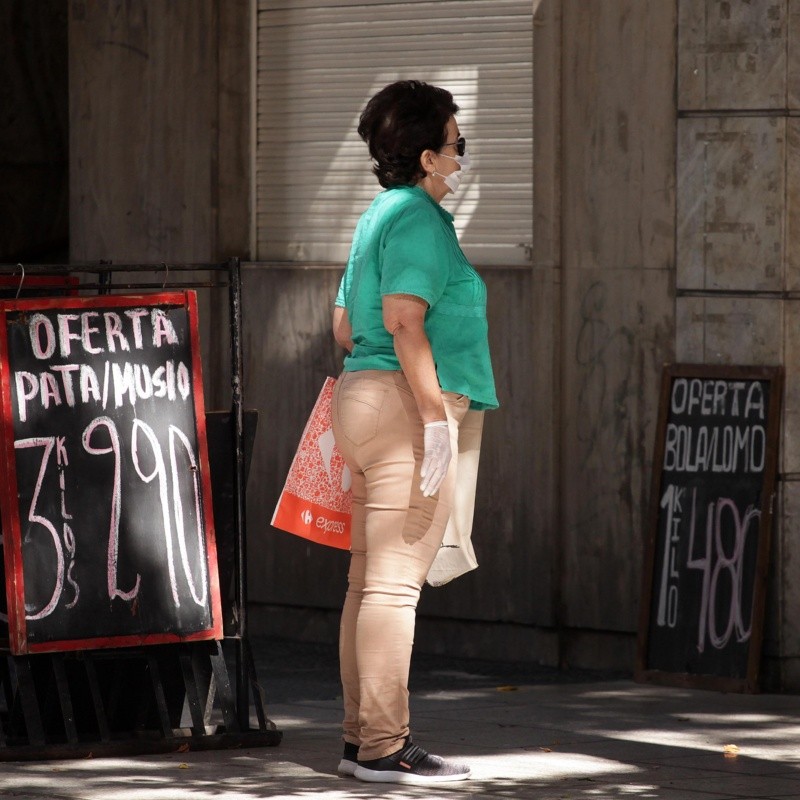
{"type": "Point", "coordinates": [707, 556]}
{"type": "Point", "coordinates": [104, 479]}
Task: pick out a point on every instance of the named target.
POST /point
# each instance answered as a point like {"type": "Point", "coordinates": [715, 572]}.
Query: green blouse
{"type": "Point", "coordinates": [405, 243]}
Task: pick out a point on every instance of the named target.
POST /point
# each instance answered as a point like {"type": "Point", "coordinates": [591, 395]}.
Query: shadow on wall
{"type": "Point", "coordinates": [34, 131]}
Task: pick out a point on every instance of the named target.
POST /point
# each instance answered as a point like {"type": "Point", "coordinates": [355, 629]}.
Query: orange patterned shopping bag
{"type": "Point", "coordinates": [316, 499]}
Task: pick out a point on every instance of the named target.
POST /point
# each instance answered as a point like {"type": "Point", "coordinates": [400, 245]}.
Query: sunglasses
{"type": "Point", "coordinates": [460, 144]}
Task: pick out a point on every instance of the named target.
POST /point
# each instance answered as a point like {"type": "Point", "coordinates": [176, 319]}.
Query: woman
{"type": "Point", "coordinates": [411, 311]}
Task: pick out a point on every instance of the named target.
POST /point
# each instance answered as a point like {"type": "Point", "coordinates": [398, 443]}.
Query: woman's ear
{"type": "Point", "coordinates": [426, 161]}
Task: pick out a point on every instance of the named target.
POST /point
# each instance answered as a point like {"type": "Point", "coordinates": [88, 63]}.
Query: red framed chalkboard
{"type": "Point", "coordinates": [104, 474]}
{"type": "Point", "coordinates": [711, 503]}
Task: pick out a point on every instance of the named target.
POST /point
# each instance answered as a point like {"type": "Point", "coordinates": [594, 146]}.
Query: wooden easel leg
{"type": "Point", "coordinates": [26, 692]}
{"type": "Point", "coordinates": [64, 697]}
{"type": "Point", "coordinates": [190, 683]}
{"type": "Point", "coordinates": [160, 697]}
{"type": "Point", "coordinates": [97, 698]}
{"type": "Point", "coordinates": [226, 702]}
{"type": "Point", "coordinates": [204, 678]}
{"type": "Point", "coordinates": [258, 692]}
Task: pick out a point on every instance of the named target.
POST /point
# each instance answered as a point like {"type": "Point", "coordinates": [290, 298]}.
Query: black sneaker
{"type": "Point", "coordinates": [412, 764]}
{"type": "Point", "coordinates": [349, 762]}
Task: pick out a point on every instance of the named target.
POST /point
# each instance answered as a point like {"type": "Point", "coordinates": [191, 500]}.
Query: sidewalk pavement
{"type": "Point", "coordinates": [527, 733]}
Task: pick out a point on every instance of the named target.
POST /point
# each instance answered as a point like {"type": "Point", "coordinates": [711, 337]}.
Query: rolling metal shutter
{"type": "Point", "coordinates": [319, 61]}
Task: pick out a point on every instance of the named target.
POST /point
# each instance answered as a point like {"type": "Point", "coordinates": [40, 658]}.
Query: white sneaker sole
{"type": "Point", "coordinates": [347, 767]}
{"type": "Point", "coordinates": [393, 776]}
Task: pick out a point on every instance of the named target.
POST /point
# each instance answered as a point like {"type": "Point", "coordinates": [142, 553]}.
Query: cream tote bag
{"type": "Point", "coordinates": [456, 555]}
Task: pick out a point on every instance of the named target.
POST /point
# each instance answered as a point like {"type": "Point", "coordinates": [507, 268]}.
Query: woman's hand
{"type": "Point", "coordinates": [437, 457]}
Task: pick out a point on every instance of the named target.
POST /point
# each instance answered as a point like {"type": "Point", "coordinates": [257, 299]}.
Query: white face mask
{"type": "Point", "coordinates": [465, 162]}
{"type": "Point", "coordinates": [453, 180]}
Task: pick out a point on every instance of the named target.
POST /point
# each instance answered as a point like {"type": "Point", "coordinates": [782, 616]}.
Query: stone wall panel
{"type": "Point", "coordinates": [732, 54]}
{"type": "Point", "coordinates": [731, 187]}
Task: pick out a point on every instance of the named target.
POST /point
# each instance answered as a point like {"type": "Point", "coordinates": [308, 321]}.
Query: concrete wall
{"type": "Point", "coordinates": [159, 143]}
{"type": "Point", "coordinates": [158, 128]}
{"type": "Point", "coordinates": [737, 244]}
{"type": "Point", "coordinates": [617, 233]}
{"type": "Point", "coordinates": [665, 226]}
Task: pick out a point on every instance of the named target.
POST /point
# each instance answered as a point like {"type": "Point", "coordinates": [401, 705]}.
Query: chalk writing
{"type": "Point", "coordinates": [668, 593]}
{"type": "Point", "coordinates": [63, 539]}
{"type": "Point", "coordinates": [716, 397]}
{"type": "Point", "coordinates": [693, 447]}
{"type": "Point", "coordinates": [159, 471]}
{"type": "Point", "coordinates": [713, 562]}
{"type": "Point", "coordinates": [116, 502]}
{"type": "Point", "coordinates": [128, 382]}
{"type": "Point", "coordinates": [44, 332]}
{"type": "Point", "coordinates": [34, 517]}
{"type": "Point", "coordinates": [113, 520]}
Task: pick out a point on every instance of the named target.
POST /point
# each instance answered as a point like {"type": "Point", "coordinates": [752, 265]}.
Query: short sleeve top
{"type": "Point", "coordinates": [406, 243]}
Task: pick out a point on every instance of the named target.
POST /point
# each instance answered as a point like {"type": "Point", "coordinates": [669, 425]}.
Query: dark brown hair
{"type": "Point", "coordinates": [401, 121]}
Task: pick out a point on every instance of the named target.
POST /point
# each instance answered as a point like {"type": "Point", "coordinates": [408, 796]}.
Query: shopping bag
{"type": "Point", "coordinates": [456, 554]}
{"type": "Point", "coordinates": [316, 500]}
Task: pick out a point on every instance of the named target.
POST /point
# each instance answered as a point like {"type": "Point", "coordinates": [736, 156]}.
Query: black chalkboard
{"type": "Point", "coordinates": [707, 555]}
{"type": "Point", "coordinates": [104, 478]}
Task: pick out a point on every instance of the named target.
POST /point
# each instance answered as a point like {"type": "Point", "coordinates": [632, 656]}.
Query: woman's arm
{"type": "Point", "coordinates": [404, 318]}
{"type": "Point", "coordinates": [342, 330]}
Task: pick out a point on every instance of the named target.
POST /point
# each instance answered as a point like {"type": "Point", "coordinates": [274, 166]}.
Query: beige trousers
{"type": "Point", "coordinates": [396, 534]}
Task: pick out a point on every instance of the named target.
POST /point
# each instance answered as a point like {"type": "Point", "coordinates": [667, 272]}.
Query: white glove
{"type": "Point", "coordinates": [437, 457]}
